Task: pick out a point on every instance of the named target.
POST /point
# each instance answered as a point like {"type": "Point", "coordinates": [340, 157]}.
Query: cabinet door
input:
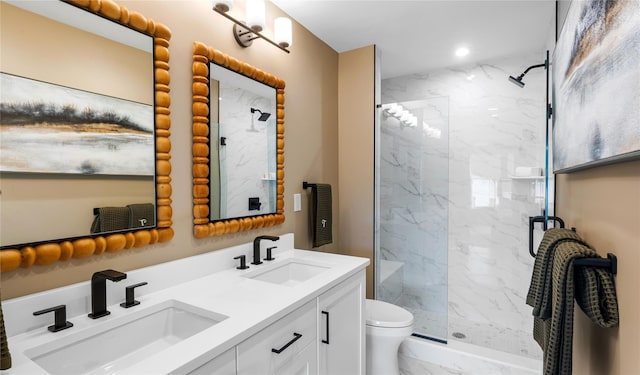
{"type": "Point", "coordinates": [224, 364]}
{"type": "Point", "coordinates": [280, 344]}
{"type": "Point", "coordinates": [304, 363]}
{"type": "Point", "coordinates": [341, 332]}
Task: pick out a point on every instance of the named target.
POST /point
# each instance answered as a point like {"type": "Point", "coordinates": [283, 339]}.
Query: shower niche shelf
{"type": "Point", "coordinates": [527, 177]}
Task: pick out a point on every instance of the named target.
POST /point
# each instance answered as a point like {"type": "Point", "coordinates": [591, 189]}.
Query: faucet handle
{"type": "Point", "coordinates": [243, 262]}
{"type": "Point", "coordinates": [60, 318]}
{"type": "Point", "coordinates": [129, 295]}
{"type": "Point", "coordinates": [269, 253]}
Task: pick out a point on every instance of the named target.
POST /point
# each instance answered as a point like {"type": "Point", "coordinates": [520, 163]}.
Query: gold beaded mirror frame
{"type": "Point", "coordinates": [203, 225]}
{"type": "Point", "coordinates": [63, 250]}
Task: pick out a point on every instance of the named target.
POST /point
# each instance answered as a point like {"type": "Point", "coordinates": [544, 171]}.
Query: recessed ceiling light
{"type": "Point", "coordinates": [462, 51]}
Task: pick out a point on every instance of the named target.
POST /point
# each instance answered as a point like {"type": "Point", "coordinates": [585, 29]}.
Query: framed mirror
{"type": "Point", "coordinates": [85, 164]}
{"type": "Point", "coordinates": [238, 145]}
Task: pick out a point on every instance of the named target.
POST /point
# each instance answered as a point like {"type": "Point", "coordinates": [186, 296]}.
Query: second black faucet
{"type": "Point", "coordinates": [256, 247]}
{"type": "Point", "coordinates": [99, 291]}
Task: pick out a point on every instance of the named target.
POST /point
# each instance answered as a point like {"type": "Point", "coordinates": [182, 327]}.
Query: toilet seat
{"type": "Point", "coordinates": [387, 315]}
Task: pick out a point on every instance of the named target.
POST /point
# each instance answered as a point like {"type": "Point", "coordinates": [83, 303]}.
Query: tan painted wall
{"type": "Point", "coordinates": [603, 204]}
{"type": "Point", "coordinates": [311, 139]}
{"type": "Point", "coordinates": [32, 207]}
{"type": "Point", "coordinates": [356, 154]}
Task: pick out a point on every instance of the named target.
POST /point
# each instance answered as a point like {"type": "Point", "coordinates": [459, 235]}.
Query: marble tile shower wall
{"type": "Point", "coordinates": [494, 127]}
{"type": "Point", "coordinates": [246, 143]}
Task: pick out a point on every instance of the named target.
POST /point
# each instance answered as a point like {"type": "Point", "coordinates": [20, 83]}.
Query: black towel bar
{"type": "Point", "coordinates": [611, 262]}
{"type": "Point", "coordinates": [306, 185]}
{"type": "Point", "coordinates": [540, 219]}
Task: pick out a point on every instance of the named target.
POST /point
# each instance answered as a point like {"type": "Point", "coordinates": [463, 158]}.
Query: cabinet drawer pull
{"type": "Point", "coordinates": [296, 336]}
{"type": "Point", "coordinates": [326, 313]}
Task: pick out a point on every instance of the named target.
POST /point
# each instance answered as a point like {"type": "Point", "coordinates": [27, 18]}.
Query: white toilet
{"type": "Point", "coordinates": [387, 326]}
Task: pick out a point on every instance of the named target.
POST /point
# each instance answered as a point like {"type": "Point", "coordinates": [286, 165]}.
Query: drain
{"type": "Point", "coordinates": [459, 335]}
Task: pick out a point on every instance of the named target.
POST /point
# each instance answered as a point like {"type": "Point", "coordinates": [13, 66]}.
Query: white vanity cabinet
{"type": "Point", "coordinates": [286, 347]}
{"type": "Point", "coordinates": [341, 328]}
{"type": "Point", "coordinates": [325, 336]}
{"type": "Point", "coordinates": [224, 364]}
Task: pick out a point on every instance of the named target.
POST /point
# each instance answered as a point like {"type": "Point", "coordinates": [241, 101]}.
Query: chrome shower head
{"type": "Point", "coordinates": [516, 81]}
{"type": "Point", "coordinates": [263, 115]}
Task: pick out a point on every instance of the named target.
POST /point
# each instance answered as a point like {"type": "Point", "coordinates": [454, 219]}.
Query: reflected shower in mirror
{"type": "Point", "coordinates": [244, 151]}
{"type": "Point", "coordinates": [85, 148]}
{"type": "Point", "coordinates": [238, 145]}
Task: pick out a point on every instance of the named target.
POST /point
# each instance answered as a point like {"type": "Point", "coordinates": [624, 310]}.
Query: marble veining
{"type": "Point", "coordinates": [247, 169]}
{"type": "Point", "coordinates": [450, 208]}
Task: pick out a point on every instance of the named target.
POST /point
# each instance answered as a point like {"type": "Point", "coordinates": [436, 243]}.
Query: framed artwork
{"type": "Point", "coordinates": [47, 128]}
{"type": "Point", "coordinates": [596, 85]}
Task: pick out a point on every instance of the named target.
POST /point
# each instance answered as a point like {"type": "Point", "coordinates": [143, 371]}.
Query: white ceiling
{"type": "Point", "coordinates": [417, 36]}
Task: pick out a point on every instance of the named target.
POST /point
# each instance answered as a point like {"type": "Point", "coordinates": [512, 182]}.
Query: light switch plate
{"type": "Point", "coordinates": [297, 202]}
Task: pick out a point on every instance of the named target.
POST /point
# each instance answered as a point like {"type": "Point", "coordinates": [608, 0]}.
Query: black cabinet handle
{"type": "Point", "coordinates": [326, 314]}
{"type": "Point", "coordinates": [296, 337]}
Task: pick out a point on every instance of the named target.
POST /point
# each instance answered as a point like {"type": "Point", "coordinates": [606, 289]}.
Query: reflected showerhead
{"type": "Point", "coordinates": [263, 115]}
{"type": "Point", "coordinates": [516, 81]}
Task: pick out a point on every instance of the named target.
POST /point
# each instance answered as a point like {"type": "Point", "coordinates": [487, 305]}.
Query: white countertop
{"type": "Point", "coordinates": [250, 305]}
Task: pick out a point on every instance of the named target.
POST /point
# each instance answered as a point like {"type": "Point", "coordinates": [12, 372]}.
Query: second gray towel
{"type": "Point", "coordinates": [141, 215]}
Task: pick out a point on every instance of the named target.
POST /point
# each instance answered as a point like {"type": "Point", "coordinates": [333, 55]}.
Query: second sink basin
{"type": "Point", "coordinates": [123, 342]}
{"type": "Point", "coordinates": [289, 273]}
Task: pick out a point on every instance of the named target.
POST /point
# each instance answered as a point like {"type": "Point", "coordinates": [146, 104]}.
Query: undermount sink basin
{"type": "Point", "coordinates": [290, 273]}
{"type": "Point", "coordinates": [125, 342]}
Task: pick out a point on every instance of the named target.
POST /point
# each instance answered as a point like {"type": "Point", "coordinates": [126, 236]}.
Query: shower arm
{"type": "Point", "coordinates": [532, 67]}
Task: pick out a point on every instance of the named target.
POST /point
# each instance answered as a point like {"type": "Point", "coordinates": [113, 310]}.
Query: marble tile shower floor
{"type": "Point", "coordinates": [492, 336]}
{"type": "Point", "coordinates": [412, 366]}
{"type": "Point", "coordinates": [495, 337]}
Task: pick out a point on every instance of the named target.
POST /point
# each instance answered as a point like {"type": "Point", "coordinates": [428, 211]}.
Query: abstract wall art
{"type": "Point", "coordinates": [47, 128]}
{"type": "Point", "coordinates": [596, 85]}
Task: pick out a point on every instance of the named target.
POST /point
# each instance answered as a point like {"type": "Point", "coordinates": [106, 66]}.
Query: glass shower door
{"type": "Point", "coordinates": [412, 198]}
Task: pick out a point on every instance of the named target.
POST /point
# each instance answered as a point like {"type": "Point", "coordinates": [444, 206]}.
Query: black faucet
{"type": "Point", "coordinates": [99, 291]}
{"type": "Point", "coordinates": [256, 247]}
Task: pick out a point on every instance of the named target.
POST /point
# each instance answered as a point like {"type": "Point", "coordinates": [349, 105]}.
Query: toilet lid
{"type": "Point", "coordinates": [384, 314]}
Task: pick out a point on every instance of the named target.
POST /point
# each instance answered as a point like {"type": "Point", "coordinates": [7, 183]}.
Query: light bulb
{"type": "Point", "coordinates": [282, 31]}
{"type": "Point", "coordinates": [394, 109]}
{"type": "Point", "coordinates": [405, 116]}
{"type": "Point", "coordinates": [256, 15]}
{"type": "Point", "coordinates": [222, 5]}
{"type": "Point", "coordinates": [413, 122]}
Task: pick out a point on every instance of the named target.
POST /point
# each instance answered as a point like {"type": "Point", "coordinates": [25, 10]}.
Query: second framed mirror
{"type": "Point", "coordinates": [238, 145]}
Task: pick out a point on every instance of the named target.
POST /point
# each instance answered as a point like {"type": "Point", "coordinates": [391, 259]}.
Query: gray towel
{"type": "Point", "coordinates": [557, 331]}
{"type": "Point", "coordinates": [596, 296]}
{"type": "Point", "coordinates": [109, 219]}
{"type": "Point", "coordinates": [141, 215]}
{"type": "Point", "coordinates": [322, 221]}
{"type": "Point", "coordinates": [539, 295]}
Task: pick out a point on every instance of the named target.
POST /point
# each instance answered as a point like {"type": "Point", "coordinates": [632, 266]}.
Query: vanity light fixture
{"type": "Point", "coordinates": [405, 117]}
{"type": "Point", "coordinates": [246, 32]}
